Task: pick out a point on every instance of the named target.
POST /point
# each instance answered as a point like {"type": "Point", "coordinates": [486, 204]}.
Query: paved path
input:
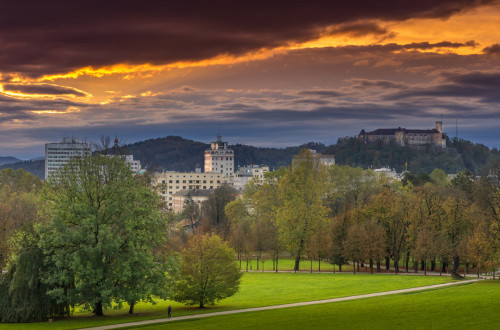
{"type": "Point", "coordinates": [255, 309]}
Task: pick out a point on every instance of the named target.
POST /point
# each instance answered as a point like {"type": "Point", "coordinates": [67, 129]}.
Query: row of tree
{"type": "Point", "coordinates": [349, 215]}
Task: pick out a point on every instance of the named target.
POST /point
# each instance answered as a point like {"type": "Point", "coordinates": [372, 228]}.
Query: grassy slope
{"type": "Point", "coordinates": [257, 289]}
{"type": "Point", "coordinates": [472, 306]}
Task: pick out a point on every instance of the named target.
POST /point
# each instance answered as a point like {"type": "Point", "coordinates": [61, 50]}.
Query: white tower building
{"type": "Point", "coordinates": [58, 154]}
{"type": "Point", "coordinates": [219, 159]}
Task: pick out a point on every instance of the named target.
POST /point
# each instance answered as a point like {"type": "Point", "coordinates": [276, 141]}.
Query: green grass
{"type": "Point", "coordinates": [471, 306]}
{"type": "Point", "coordinates": [288, 265]}
{"type": "Point", "coordinates": [257, 289]}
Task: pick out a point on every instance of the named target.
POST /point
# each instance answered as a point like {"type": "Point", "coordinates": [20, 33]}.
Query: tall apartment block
{"type": "Point", "coordinates": [58, 154]}
{"type": "Point", "coordinates": [219, 159]}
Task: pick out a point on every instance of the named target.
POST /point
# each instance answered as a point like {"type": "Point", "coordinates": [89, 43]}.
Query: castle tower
{"type": "Point", "coordinates": [439, 126]}
{"type": "Point", "coordinates": [219, 159]}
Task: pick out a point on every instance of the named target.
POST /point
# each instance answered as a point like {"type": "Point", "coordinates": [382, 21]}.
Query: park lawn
{"type": "Point", "coordinates": [468, 306]}
{"type": "Point", "coordinates": [288, 265]}
{"type": "Point", "coordinates": [257, 289]}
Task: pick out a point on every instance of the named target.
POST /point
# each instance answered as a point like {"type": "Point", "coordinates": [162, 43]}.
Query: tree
{"type": "Point", "coordinates": [265, 202]}
{"type": "Point", "coordinates": [207, 272]}
{"type": "Point", "coordinates": [351, 189]}
{"type": "Point", "coordinates": [214, 213]}
{"type": "Point", "coordinates": [302, 191]}
{"type": "Point", "coordinates": [18, 205]}
{"type": "Point", "coordinates": [102, 226]}
{"type": "Point", "coordinates": [241, 228]}
{"type": "Point", "coordinates": [439, 177]}
{"type": "Point", "coordinates": [456, 225]}
{"type": "Point", "coordinates": [191, 211]}
{"type": "Point", "coordinates": [23, 295]}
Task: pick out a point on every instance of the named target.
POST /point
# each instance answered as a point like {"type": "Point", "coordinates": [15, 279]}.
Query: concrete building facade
{"type": "Point", "coordinates": [170, 183]}
{"type": "Point", "coordinates": [219, 158]}
{"type": "Point", "coordinates": [247, 173]}
{"type": "Point", "coordinates": [197, 195]}
{"type": "Point", "coordinates": [58, 154]}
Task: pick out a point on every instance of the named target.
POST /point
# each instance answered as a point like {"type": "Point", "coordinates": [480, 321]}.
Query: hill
{"type": "Point", "coordinates": [459, 155]}
{"type": "Point", "coordinates": [36, 167]}
{"type": "Point", "coordinates": [8, 160]}
{"type": "Point", "coordinates": [174, 153]}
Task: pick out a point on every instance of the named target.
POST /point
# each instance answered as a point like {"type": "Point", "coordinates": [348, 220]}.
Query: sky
{"type": "Point", "coordinates": [263, 73]}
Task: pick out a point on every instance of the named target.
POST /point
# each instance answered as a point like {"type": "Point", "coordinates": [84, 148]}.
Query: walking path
{"type": "Point", "coordinates": [255, 309]}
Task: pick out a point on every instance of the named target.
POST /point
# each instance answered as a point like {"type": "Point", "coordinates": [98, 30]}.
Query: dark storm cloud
{"type": "Point", "coordinates": [481, 85]}
{"type": "Point", "coordinates": [46, 89]}
{"type": "Point", "coordinates": [492, 50]}
{"type": "Point", "coordinates": [385, 84]}
{"type": "Point", "coordinates": [392, 47]}
{"type": "Point", "coordinates": [359, 29]}
{"type": "Point", "coordinates": [320, 93]}
{"type": "Point", "coordinates": [43, 37]}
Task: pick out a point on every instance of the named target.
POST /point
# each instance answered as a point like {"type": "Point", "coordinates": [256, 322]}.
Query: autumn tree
{"type": "Point", "coordinates": [214, 214]}
{"type": "Point", "coordinates": [207, 272]}
{"type": "Point", "coordinates": [393, 208]}
{"type": "Point", "coordinates": [241, 228]}
{"type": "Point", "coordinates": [264, 201]}
{"type": "Point", "coordinates": [456, 225]}
{"type": "Point", "coordinates": [349, 190]}
{"type": "Point", "coordinates": [302, 212]}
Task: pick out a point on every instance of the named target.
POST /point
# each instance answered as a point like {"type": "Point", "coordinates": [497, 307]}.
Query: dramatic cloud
{"type": "Point", "coordinates": [60, 36]}
{"type": "Point", "coordinates": [46, 89]}
{"type": "Point", "coordinates": [492, 50]}
{"type": "Point", "coordinates": [266, 73]}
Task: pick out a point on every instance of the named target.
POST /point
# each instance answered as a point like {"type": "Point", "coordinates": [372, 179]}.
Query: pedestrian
{"type": "Point", "coordinates": [169, 311]}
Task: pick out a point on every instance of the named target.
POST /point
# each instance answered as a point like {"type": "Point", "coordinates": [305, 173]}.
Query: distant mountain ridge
{"type": "Point", "coordinates": [9, 160]}
{"type": "Point", "coordinates": [174, 153]}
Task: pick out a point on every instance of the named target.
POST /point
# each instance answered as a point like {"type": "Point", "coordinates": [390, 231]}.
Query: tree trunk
{"type": "Point", "coordinates": [131, 308]}
{"type": "Point", "coordinates": [319, 265]}
{"type": "Point", "coordinates": [407, 260]}
{"type": "Point", "coordinates": [454, 269]}
{"type": "Point", "coordinates": [276, 262]}
{"type": "Point", "coordinates": [387, 263]}
{"type": "Point", "coordinates": [201, 303]}
{"type": "Point", "coordinates": [340, 267]}
{"type": "Point", "coordinates": [433, 264]}
{"type": "Point", "coordinates": [98, 309]}
{"type": "Point", "coordinates": [396, 265]}
{"type": "Point", "coordinates": [415, 265]}
{"type": "Point", "coordinates": [378, 267]}
{"type": "Point", "coordinates": [422, 265]}
{"type": "Point", "coordinates": [299, 253]}
{"type": "Point", "coordinates": [425, 268]}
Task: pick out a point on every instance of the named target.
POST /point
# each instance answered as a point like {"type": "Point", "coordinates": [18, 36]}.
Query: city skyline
{"type": "Point", "coordinates": [264, 74]}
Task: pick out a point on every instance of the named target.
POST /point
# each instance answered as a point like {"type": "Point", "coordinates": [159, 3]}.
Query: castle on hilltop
{"type": "Point", "coordinates": [407, 137]}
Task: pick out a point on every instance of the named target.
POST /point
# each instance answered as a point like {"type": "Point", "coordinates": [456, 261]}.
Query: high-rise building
{"type": "Point", "coordinates": [58, 154]}
{"type": "Point", "coordinates": [219, 159]}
